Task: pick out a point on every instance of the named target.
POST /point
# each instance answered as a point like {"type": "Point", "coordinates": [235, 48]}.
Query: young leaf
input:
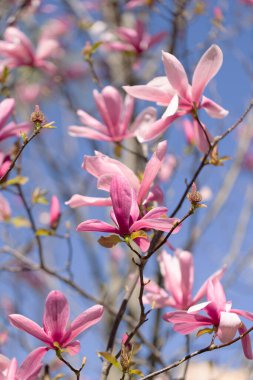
{"type": "Point", "coordinates": [109, 241]}
{"type": "Point", "coordinates": [110, 358]}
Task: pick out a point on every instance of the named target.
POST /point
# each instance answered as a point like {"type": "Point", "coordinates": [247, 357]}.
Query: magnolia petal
{"type": "Point", "coordinates": [90, 121]}
{"type": "Point", "coordinates": [207, 67]}
{"type": "Point", "coordinates": [151, 170]}
{"type": "Point", "coordinates": [96, 225]}
{"type": "Point", "coordinates": [56, 315]}
{"type": "Point", "coordinates": [228, 326]}
{"type": "Point", "coordinates": [176, 74]}
{"type": "Point", "coordinates": [187, 275]}
{"type": "Point", "coordinates": [149, 92]}
{"type": "Point", "coordinates": [84, 132]}
{"type": "Point", "coordinates": [246, 342]}
{"type": "Point", "coordinates": [30, 327]}
{"type": "Point", "coordinates": [32, 365]}
{"type": "Point", "coordinates": [73, 347]}
{"type": "Point", "coordinates": [185, 323]}
{"type": "Point", "coordinates": [101, 165]}
{"type": "Point", "coordinates": [78, 200]}
{"type": "Point", "coordinates": [155, 129]}
{"type": "Point", "coordinates": [172, 107]}
{"type": "Point", "coordinates": [84, 321]}
{"type": "Point", "coordinates": [121, 196]}
{"type": "Point", "coordinates": [213, 109]}
{"type": "Point", "coordinates": [6, 109]}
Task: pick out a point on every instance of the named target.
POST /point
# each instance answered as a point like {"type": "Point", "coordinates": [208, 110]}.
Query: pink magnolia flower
{"type": "Point", "coordinates": [225, 321]}
{"type": "Point", "coordinates": [55, 212]}
{"type": "Point", "coordinates": [135, 40]}
{"type": "Point", "coordinates": [116, 118]}
{"type": "Point", "coordinates": [55, 333]}
{"type": "Point", "coordinates": [175, 92]}
{"type": "Point", "coordinates": [19, 51]}
{"type": "Point", "coordinates": [178, 276]}
{"type": "Point", "coordinates": [29, 369]}
{"type": "Point", "coordinates": [11, 129]}
{"type": "Point", "coordinates": [127, 218]}
{"type": "Point", "coordinates": [105, 168]}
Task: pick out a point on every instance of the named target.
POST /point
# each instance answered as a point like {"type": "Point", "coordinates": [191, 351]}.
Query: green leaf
{"type": "Point", "coordinates": [135, 372]}
{"type": "Point", "coordinates": [110, 358]}
{"type": "Point", "coordinates": [19, 180]}
{"type": "Point", "coordinates": [44, 232]}
{"type": "Point", "coordinates": [95, 46]}
{"type": "Point", "coordinates": [38, 196]}
{"type": "Point", "coordinates": [137, 234]}
{"type": "Point", "coordinates": [20, 221]}
{"type": "Point", "coordinates": [204, 331]}
{"type": "Point", "coordinates": [49, 125]}
{"type": "Point", "coordinates": [109, 241]}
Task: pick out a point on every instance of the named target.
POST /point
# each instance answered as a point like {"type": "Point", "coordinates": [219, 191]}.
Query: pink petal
{"type": "Point", "coordinates": [101, 165]}
{"type": "Point", "coordinates": [144, 120]}
{"type": "Point", "coordinates": [246, 342]}
{"type": "Point", "coordinates": [187, 275]}
{"type": "Point", "coordinates": [46, 47]}
{"type": "Point", "coordinates": [213, 109]}
{"type": "Point", "coordinates": [12, 370]}
{"type": "Point", "coordinates": [90, 121]}
{"type": "Point", "coordinates": [155, 224]}
{"type": "Point", "coordinates": [149, 92]}
{"type": "Point", "coordinates": [73, 347]}
{"type": "Point", "coordinates": [96, 225]}
{"type": "Point", "coordinates": [172, 107]}
{"type": "Point", "coordinates": [207, 67]}
{"type": "Point", "coordinates": [12, 129]}
{"type": "Point", "coordinates": [127, 114]}
{"type": "Point", "coordinates": [19, 39]}
{"type": "Point", "coordinates": [200, 137]}
{"type": "Point", "coordinates": [84, 132]}
{"type": "Point", "coordinates": [199, 307]}
{"type": "Point", "coordinates": [243, 313]}
{"type": "Point", "coordinates": [78, 200]}
{"type": "Point", "coordinates": [32, 365]}
{"type": "Point", "coordinates": [215, 293]}
{"type": "Point", "coordinates": [56, 315]}
{"type": "Point", "coordinates": [143, 243]}
{"type": "Point", "coordinates": [203, 289]}
{"type": "Point", "coordinates": [84, 321]}
{"type": "Point", "coordinates": [147, 133]}
{"type": "Point", "coordinates": [121, 195]}
{"type": "Point", "coordinates": [156, 212]}
{"type": "Point", "coordinates": [228, 326]}
{"type": "Point", "coordinates": [30, 327]}
{"type": "Point", "coordinates": [176, 75]}
{"type": "Point", "coordinates": [151, 170]}
{"type": "Point", "coordinates": [185, 323]}
{"type": "Point", "coordinates": [6, 109]}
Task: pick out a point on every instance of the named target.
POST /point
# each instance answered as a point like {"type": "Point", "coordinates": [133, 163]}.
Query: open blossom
{"type": "Point", "coordinates": [135, 40]}
{"type": "Point", "coordinates": [55, 333]}
{"type": "Point", "coordinates": [18, 50]}
{"type": "Point", "coordinates": [178, 276]}
{"type": "Point", "coordinates": [105, 168]}
{"type": "Point", "coordinates": [175, 92]}
{"type": "Point", "coordinates": [224, 320]}
{"type": "Point", "coordinates": [127, 218]}
{"type": "Point", "coordinates": [29, 369]}
{"type": "Point", "coordinates": [116, 118]}
{"type": "Point", "coordinates": [10, 129]}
